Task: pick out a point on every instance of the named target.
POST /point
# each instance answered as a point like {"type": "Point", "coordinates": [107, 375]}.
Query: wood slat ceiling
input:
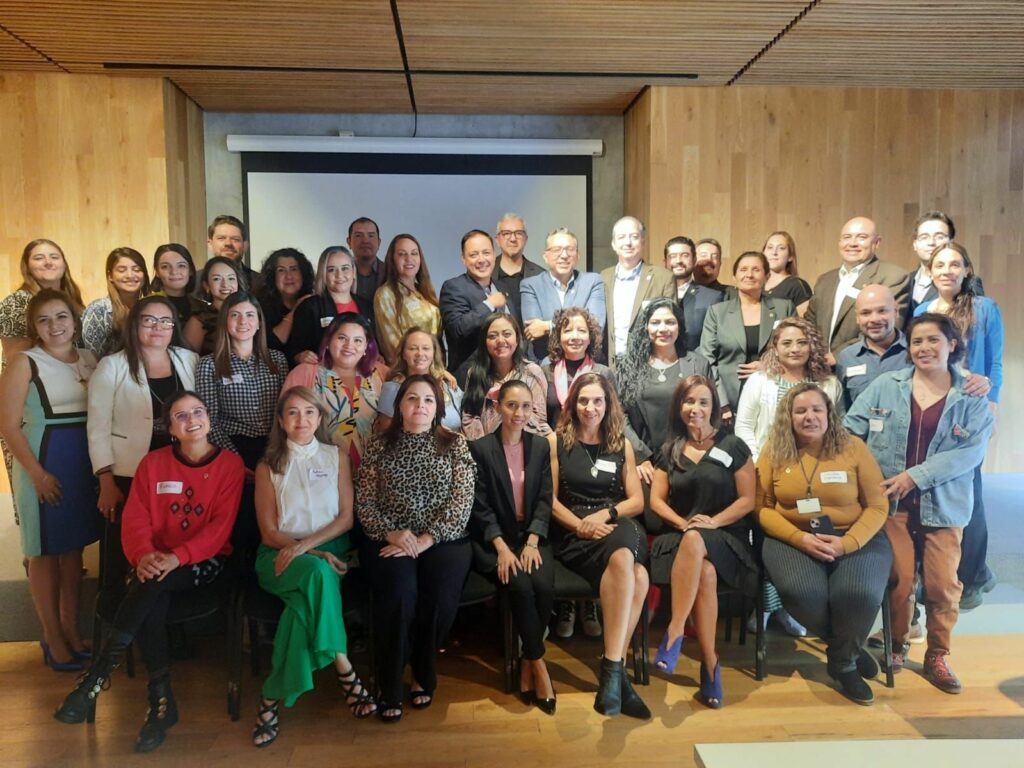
{"type": "Point", "coordinates": [531, 56]}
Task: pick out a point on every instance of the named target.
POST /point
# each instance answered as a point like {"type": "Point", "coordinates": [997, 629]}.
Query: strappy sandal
{"type": "Point", "coordinates": [362, 703]}
{"type": "Point", "coordinates": [267, 727]}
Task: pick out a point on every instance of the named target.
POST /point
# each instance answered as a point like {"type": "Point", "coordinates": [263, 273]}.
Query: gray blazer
{"type": "Point", "coordinates": [724, 342]}
{"type": "Point", "coordinates": [540, 300]}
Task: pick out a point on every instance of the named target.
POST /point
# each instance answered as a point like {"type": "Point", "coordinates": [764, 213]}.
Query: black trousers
{"type": "Point", "coordinates": [143, 611]}
{"type": "Point", "coordinates": [530, 597]}
{"type": "Point", "coordinates": [973, 571]}
{"type": "Point", "coordinates": [245, 535]}
{"type": "Point", "coordinates": [414, 604]}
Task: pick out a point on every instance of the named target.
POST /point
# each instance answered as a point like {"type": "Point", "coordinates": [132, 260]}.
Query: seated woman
{"type": "Point", "coordinates": [220, 279]}
{"type": "Point", "coordinates": [929, 437]}
{"type": "Point", "coordinates": [511, 514]}
{"type": "Point", "coordinates": [419, 353]}
{"type": "Point", "coordinates": [820, 503]}
{"type": "Point", "coordinates": [414, 497]}
{"type": "Point", "coordinates": [500, 356]}
{"type": "Point", "coordinates": [304, 505]}
{"type": "Point", "coordinates": [704, 488]}
{"type": "Point", "coordinates": [573, 345]}
{"type": "Point", "coordinates": [347, 380]}
{"type": "Point", "coordinates": [597, 495]}
{"type": "Point", "coordinates": [175, 532]}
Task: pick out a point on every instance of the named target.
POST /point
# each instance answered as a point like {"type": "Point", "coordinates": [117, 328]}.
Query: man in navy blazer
{"type": "Point", "coordinates": [468, 299]}
{"type": "Point", "coordinates": [693, 298]}
{"type": "Point", "coordinates": [560, 287]}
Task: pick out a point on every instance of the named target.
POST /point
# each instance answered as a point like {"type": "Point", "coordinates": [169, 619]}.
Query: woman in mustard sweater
{"type": "Point", "coordinates": [820, 503]}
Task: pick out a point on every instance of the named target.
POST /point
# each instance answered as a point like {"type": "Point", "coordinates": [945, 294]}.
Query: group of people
{"type": "Point", "coordinates": [642, 427]}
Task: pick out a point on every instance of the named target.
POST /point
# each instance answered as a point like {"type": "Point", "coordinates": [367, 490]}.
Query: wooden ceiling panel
{"type": "Point", "coordinates": [912, 43]}
{"type": "Point", "coordinates": [502, 95]}
{"type": "Point", "coordinates": [14, 54]}
{"type": "Point", "coordinates": [271, 33]}
{"type": "Point", "coordinates": [710, 38]}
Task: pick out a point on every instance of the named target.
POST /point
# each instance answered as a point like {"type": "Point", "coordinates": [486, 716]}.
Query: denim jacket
{"type": "Point", "coordinates": [881, 415]}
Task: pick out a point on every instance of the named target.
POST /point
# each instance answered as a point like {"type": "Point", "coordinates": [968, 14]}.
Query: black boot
{"type": "Point", "coordinates": [632, 704]}
{"type": "Point", "coordinates": [76, 706]}
{"type": "Point", "coordinates": [609, 691]}
{"type": "Point", "coordinates": [161, 715]}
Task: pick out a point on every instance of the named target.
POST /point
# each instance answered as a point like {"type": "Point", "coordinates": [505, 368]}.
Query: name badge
{"type": "Point", "coordinates": [603, 465]}
{"type": "Point", "coordinates": [325, 321]}
{"type": "Point", "coordinates": [235, 378]}
{"type": "Point", "coordinates": [876, 425]}
{"type": "Point", "coordinates": [318, 474]}
{"type": "Point", "coordinates": [836, 476]}
{"type": "Point", "coordinates": [857, 370]}
{"type": "Point", "coordinates": [808, 506]}
{"type": "Point", "coordinates": [720, 456]}
{"type": "Point", "coordinates": [169, 486]}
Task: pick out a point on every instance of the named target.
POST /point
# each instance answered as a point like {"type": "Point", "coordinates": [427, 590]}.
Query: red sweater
{"type": "Point", "coordinates": [188, 509]}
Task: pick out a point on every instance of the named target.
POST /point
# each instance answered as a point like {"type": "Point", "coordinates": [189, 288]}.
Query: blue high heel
{"type": "Point", "coordinates": [59, 666]}
{"type": "Point", "coordinates": [83, 655]}
{"type": "Point", "coordinates": [710, 692]}
{"type": "Point", "coordinates": [667, 658]}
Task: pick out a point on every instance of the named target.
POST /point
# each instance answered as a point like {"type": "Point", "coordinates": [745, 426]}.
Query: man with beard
{"type": "Point", "coordinates": [680, 260]}
{"type": "Point", "coordinates": [228, 237]}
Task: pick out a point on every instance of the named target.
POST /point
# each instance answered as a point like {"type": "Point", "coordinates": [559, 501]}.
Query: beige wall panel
{"type": "Point", "coordinates": [186, 171]}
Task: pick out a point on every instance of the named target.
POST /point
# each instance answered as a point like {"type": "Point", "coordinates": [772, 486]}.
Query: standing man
{"type": "Point", "coordinates": [630, 284]}
{"type": "Point", "coordinates": [708, 265]}
{"type": "Point", "coordinates": [933, 229]}
{"type": "Point", "coordinates": [228, 237]}
{"type": "Point", "coordinates": [467, 300]}
{"type": "Point", "coordinates": [680, 260]}
{"type": "Point", "coordinates": [560, 287]}
{"type": "Point", "coordinates": [831, 307]}
{"type": "Point", "coordinates": [364, 242]}
{"type": "Point", "coordinates": [513, 267]}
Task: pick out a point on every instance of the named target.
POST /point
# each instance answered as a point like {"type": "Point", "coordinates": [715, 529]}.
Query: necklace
{"type": "Point", "coordinates": [661, 367]}
{"type": "Point", "coordinates": [697, 443]}
{"type": "Point", "coordinates": [594, 471]}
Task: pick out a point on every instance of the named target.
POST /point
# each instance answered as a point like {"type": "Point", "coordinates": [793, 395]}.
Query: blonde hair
{"type": "Point", "coordinates": [781, 447]}
{"type": "Point", "coordinates": [276, 455]}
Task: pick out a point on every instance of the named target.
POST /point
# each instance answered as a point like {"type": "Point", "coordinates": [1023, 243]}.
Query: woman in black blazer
{"type": "Point", "coordinates": [509, 525]}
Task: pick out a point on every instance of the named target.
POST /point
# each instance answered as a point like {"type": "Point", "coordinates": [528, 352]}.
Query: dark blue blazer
{"type": "Point", "coordinates": [463, 312]}
{"type": "Point", "coordinates": [696, 302]}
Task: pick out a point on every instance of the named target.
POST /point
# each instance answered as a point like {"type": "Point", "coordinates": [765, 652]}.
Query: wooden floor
{"type": "Point", "coordinates": [472, 723]}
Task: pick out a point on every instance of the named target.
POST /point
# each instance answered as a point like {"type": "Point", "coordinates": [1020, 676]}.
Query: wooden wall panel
{"type": "Point", "coordinates": [737, 163]}
{"type": "Point", "coordinates": [186, 171]}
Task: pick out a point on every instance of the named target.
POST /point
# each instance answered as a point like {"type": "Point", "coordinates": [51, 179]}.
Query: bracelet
{"type": "Point", "coordinates": [531, 546]}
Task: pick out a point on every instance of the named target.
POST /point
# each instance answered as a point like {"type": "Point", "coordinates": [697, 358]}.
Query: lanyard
{"type": "Point", "coordinates": [809, 478]}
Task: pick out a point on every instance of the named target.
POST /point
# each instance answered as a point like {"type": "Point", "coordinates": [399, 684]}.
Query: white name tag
{"type": "Point", "coordinates": [325, 321]}
{"type": "Point", "coordinates": [604, 465]}
{"type": "Point", "coordinates": [857, 370]}
{"type": "Point", "coordinates": [876, 425]}
{"type": "Point", "coordinates": [235, 378]}
{"type": "Point", "coordinates": [808, 506]}
{"type": "Point", "coordinates": [318, 474]}
{"type": "Point", "coordinates": [836, 476]}
{"type": "Point", "coordinates": [720, 456]}
{"type": "Point", "coordinates": [169, 486]}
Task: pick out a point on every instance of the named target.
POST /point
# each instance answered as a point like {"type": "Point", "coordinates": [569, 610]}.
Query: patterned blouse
{"type": "Point", "coordinates": [416, 311]}
{"type": "Point", "coordinates": [475, 427]}
{"type": "Point", "coordinates": [98, 332]}
{"type": "Point", "coordinates": [244, 403]}
{"type": "Point", "coordinates": [410, 486]}
{"type": "Point", "coordinates": [13, 310]}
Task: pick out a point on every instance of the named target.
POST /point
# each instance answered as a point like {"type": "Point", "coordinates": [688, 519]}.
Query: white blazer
{"type": "Point", "coordinates": [120, 423]}
{"type": "Point", "coordinates": [758, 402]}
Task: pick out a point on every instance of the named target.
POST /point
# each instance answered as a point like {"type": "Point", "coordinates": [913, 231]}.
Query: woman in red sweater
{"type": "Point", "coordinates": [175, 532]}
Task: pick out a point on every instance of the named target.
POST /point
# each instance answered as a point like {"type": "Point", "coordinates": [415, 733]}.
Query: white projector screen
{"type": "Point", "coordinates": [311, 209]}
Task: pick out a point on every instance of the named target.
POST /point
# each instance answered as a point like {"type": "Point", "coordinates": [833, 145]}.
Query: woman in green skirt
{"type": "Point", "coordinates": [304, 508]}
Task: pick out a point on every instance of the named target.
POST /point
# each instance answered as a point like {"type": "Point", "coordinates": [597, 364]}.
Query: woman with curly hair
{"type": "Point", "coordinates": [821, 505]}
{"type": "Point", "coordinates": [286, 279]}
{"type": "Point", "coordinates": [573, 345]}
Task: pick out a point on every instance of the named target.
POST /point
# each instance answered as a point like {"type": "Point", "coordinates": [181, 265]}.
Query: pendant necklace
{"type": "Point", "coordinates": [661, 367]}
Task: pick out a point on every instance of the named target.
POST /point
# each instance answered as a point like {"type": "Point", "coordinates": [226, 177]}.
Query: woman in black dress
{"type": "Point", "coordinates": [783, 281]}
{"type": "Point", "coordinates": [704, 488]}
{"type": "Point", "coordinates": [511, 514]}
{"type": "Point", "coordinates": [597, 497]}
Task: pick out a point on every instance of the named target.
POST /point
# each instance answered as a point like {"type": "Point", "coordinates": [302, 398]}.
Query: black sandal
{"type": "Point", "coordinates": [395, 709]}
{"type": "Point", "coordinates": [362, 703]}
{"type": "Point", "coordinates": [266, 726]}
{"type": "Point", "coordinates": [421, 699]}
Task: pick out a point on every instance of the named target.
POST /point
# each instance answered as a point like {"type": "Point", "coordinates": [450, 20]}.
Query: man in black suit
{"type": "Point", "coordinates": [513, 266]}
{"type": "Point", "coordinates": [933, 229]}
{"type": "Point", "coordinates": [468, 299]}
{"type": "Point", "coordinates": [680, 254]}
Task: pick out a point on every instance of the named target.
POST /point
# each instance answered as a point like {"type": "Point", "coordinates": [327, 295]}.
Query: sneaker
{"type": "Point", "coordinates": [793, 627]}
{"type": "Point", "coordinates": [566, 623]}
{"type": "Point", "coordinates": [974, 596]}
{"type": "Point", "coordinates": [591, 621]}
{"type": "Point", "coordinates": [938, 673]}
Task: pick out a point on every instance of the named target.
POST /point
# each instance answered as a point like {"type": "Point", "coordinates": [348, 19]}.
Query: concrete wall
{"type": "Point", "coordinates": [224, 170]}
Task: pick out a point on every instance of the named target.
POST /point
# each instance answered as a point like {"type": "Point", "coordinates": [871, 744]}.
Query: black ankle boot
{"type": "Point", "coordinates": [161, 715]}
{"type": "Point", "coordinates": [76, 706]}
{"type": "Point", "coordinates": [609, 691]}
{"type": "Point", "coordinates": [632, 704]}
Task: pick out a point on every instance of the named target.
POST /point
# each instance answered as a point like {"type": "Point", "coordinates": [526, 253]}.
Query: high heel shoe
{"type": "Point", "coordinates": [75, 665]}
{"type": "Point", "coordinates": [710, 692]}
{"type": "Point", "coordinates": [547, 706]}
{"type": "Point", "coordinates": [83, 655]}
{"type": "Point", "coordinates": [667, 657]}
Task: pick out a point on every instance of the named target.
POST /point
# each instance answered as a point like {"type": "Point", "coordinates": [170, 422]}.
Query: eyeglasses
{"type": "Point", "coordinates": [936, 238]}
{"type": "Point", "coordinates": [151, 321]}
{"type": "Point", "coordinates": [519, 233]}
{"type": "Point", "coordinates": [558, 250]}
{"type": "Point", "coordinates": [184, 417]}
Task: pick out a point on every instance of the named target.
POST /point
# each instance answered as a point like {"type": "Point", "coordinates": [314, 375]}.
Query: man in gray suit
{"type": "Point", "coordinates": [630, 284]}
{"type": "Point", "coordinates": [680, 260]}
{"type": "Point", "coordinates": [560, 287]}
{"type": "Point", "coordinates": [835, 293]}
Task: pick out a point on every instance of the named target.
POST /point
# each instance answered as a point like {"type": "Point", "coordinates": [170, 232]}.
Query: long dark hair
{"type": "Point", "coordinates": [369, 361]}
{"type": "Point", "coordinates": [677, 431]}
{"type": "Point", "coordinates": [481, 368]}
{"type": "Point", "coordinates": [613, 425]}
{"type": "Point", "coordinates": [243, 284]}
{"type": "Point", "coordinates": [156, 284]}
{"type": "Point", "coordinates": [131, 333]}
{"type": "Point", "coordinates": [631, 373]}
{"type": "Point", "coordinates": [947, 327]}
{"type": "Point", "coordinates": [443, 437]}
{"type": "Point", "coordinates": [961, 311]}
{"type": "Point", "coordinates": [222, 340]}
{"type": "Point", "coordinates": [117, 305]}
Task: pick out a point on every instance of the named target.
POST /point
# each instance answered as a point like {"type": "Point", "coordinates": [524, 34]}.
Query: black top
{"type": "Point", "coordinates": [311, 320]}
{"type": "Point", "coordinates": [509, 284]}
{"type": "Point", "coordinates": [709, 486]}
{"type": "Point", "coordinates": [796, 289]}
{"type": "Point", "coordinates": [572, 368]}
{"type": "Point", "coordinates": [753, 348]}
{"type": "Point", "coordinates": [584, 490]}
{"type": "Point", "coordinates": [160, 391]}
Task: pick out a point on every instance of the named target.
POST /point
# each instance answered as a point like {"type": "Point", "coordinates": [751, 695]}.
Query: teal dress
{"type": "Point", "coordinates": [54, 425]}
